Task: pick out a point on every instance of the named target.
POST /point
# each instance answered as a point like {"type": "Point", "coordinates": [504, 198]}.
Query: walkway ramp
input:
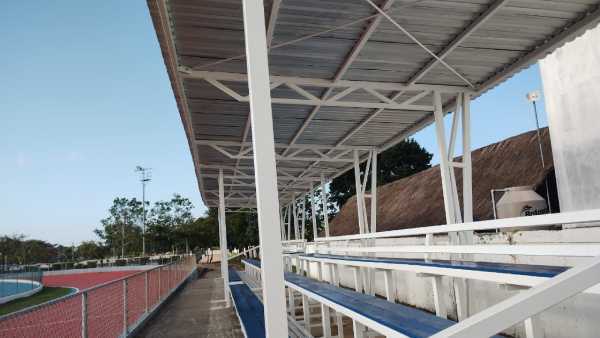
{"type": "Point", "coordinates": [196, 311]}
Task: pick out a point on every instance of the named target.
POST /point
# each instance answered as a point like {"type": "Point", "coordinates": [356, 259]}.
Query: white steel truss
{"type": "Point", "coordinates": [301, 152]}
{"type": "Point", "coordinates": [223, 82]}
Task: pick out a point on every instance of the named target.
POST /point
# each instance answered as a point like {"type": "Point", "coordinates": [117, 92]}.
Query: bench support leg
{"type": "Point", "coordinates": [291, 303]}
{"type": "Point", "coordinates": [461, 295]}
{"type": "Point", "coordinates": [440, 306]}
{"type": "Point", "coordinates": [533, 328]}
{"type": "Point", "coordinates": [358, 329]}
{"type": "Point", "coordinates": [357, 280]}
{"type": "Point", "coordinates": [306, 312]}
{"type": "Point", "coordinates": [326, 321]}
{"type": "Point", "coordinates": [388, 279]}
{"type": "Point", "coordinates": [320, 270]}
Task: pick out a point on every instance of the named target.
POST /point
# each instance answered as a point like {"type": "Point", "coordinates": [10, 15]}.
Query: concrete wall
{"type": "Point", "coordinates": [577, 317]}
{"type": "Point", "coordinates": [571, 79]}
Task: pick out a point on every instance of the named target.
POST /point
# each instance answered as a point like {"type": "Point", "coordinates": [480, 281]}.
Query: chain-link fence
{"type": "Point", "coordinates": [113, 309]}
{"type": "Point", "coordinates": [14, 282]}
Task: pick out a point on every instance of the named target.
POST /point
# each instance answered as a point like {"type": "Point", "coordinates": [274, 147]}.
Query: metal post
{"type": "Point", "coordinates": [84, 323]}
{"type": "Point", "coordinates": [539, 138]}
{"type": "Point", "coordinates": [359, 198]}
{"type": "Point", "coordinates": [289, 222]}
{"type": "Point", "coordinates": [313, 214]}
{"type": "Point", "coordinates": [467, 166]}
{"type": "Point", "coordinates": [146, 291]}
{"type": "Point", "coordinates": [326, 321]}
{"type": "Point", "coordinates": [303, 220]}
{"type": "Point", "coordinates": [125, 329]}
{"type": "Point", "coordinates": [295, 214]}
{"type": "Point", "coordinates": [273, 286]}
{"type": "Point", "coordinates": [159, 294]}
{"type": "Point", "coordinates": [223, 239]}
{"type": "Point", "coordinates": [306, 312]}
{"type": "Point", "coordinates": [444, 170]}
{"type": "Point", "coordinates": [325, 209]}
{"type": "Point", "coordinates": [374, 192]}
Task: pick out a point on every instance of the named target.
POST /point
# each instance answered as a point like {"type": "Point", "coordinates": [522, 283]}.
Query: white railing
{"type": "Point", "coordinates": [543, 292]}
{"type": "Point", "coordinates": [586, 216]}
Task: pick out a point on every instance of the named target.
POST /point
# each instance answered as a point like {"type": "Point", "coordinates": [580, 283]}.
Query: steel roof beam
{"type": "Point", "coordinates": [189, 73]}
{"type": "Point", "coordinates": [356, 49]}
{"type": "Point", "coordinates": [460, 38]}
{"type": "Point", "coordinates": [415, 40]}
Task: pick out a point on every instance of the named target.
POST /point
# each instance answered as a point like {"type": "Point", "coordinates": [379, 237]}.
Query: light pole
{"type": "Point", "coordinates": [145, 177]}
{"type": "Point", "coordinates": [533, 97]}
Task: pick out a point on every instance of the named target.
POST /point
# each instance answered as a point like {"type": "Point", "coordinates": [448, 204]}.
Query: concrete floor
{"type": "Point", "coordinates": [196, 311]}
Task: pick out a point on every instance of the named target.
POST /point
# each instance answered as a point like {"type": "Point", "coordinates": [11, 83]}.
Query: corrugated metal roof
{"type": "Point", "coordinates": [485, 41]}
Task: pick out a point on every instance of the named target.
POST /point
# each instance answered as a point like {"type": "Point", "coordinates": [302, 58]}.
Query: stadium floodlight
{"type": "Point", "coordinates": [145, 177]}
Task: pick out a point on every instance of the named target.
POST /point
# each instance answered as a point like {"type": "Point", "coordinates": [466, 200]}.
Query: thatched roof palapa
{"type": "Point", "coordinates": [417, 200]}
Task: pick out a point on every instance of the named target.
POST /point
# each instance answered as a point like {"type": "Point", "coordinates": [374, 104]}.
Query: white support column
{"type": "Point", "coordinates": [303, 220]}
{"type": "Point", "coordinates": [374, 192]}
{"type": "Point", "coordinates": [467, 170]}
{"type": "Point", "coordinates": [273, 286]}
{"type": "Point", "coordinates": [461, 287]}
{"type": "Point", "coordinates": [223, 240]}
{"type": "Point", "coordinates": [295, 216]}
{"type": "Point", "coordinates": [324, 202]}
{"type": "Point", "coordinates": [313, 214]}
{"type": "Point", "coordinates": [444, 169]}
{"type": "Point", "coordinates": [359, 197]}
{"type": "Point", "coordinates": [282, 224]}
{"type": "Point", "coordinates": [289, 222]}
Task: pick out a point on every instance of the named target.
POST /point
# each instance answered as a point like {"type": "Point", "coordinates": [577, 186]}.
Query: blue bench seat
{"type": "Point", "coordinates": [248, 306]}
{"type": "Point", "coordinates": [516, 269]}
{"type": "Point", "coordinates": [407, 320]}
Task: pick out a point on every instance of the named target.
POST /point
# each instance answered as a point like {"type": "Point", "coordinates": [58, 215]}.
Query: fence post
{"type": "Point", "coordinates": [125, 308]}
{"type": "Point", "coordinates": [159, 294]}
{"type": "Point", "coordinates": [84, 324]}
{"type": "Point", "coordinates": [146, 290]}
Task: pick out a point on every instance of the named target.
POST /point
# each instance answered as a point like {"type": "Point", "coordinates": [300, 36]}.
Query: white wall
{"type": "Point", "coordinates": [571, 79]}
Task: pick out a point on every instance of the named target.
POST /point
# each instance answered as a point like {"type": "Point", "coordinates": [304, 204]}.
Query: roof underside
{"type": "Point", "coordinates": [482, 42]}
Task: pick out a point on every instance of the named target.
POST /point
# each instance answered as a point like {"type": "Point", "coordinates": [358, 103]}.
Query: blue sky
{"type": "Point", "coordinates": [84, 98]}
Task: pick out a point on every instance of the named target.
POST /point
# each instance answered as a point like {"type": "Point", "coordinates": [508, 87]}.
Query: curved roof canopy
{"type": "Point", "coordinates": [346, 75]}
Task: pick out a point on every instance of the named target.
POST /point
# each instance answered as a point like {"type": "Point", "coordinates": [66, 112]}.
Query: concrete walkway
{"type": "Point", "coordinates": [196, 311]}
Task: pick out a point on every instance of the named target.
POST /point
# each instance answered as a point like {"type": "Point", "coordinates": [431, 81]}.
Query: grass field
{"type": "Point", "coordinates": [47, 294]}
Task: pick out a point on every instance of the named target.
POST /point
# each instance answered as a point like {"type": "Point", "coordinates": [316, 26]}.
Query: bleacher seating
{"type": "Point", "coordinates": [248, 307]}
{"type": "Point", "coordinates": [516, 269]}
{"type": "Point", "coordinates": [404, 319]}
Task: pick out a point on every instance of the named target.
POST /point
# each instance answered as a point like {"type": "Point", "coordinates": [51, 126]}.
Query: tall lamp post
{"type": "Point", "coordinates": [533, 97]}
{"type": "Point", "coordinates": [145, 177]}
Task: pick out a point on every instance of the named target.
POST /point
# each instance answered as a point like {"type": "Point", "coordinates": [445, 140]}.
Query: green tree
{"type": "Point", "coordinates": [120, 231]}
{"type": "Point", "coordinates": [404, 159]}
{"type": "Point", "coordinates": [169, 225]}
{"type": "Point", "coordinates": [17, 249]}
{"type": "Point", "coordinates": [91, 250]}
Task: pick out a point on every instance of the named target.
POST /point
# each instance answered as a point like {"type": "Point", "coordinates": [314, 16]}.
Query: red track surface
{"type": "Point", "coordinates": [87, 280]}
{"type": "Point", "coordinates": [107, 314]}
